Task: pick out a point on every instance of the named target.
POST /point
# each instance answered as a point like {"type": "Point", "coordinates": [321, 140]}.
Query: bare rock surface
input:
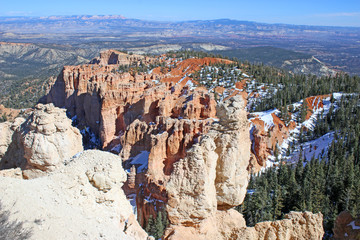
{"type": "Point", "coordinates": [295, 225]}
{"type": "Point", "coordinates": [212, 178]}
{"type": "Point", "coordinates": [5, 137]}
{"type": "Point", "coordinates": [39, 143]}
{"type": "Point", "coordinates": [81, 200]}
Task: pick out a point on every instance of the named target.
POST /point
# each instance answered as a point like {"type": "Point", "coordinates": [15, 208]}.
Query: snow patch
{"type": "Point", "coordinates": [190, 84]}
{"type": "Point", "coordinates": [142, 159]}
{"type": "Point", "coordinates": [354, 227]}
{"type": "Point", "coordinates": [266, 117]}
{"type": "Point", "coordinates": [132, 200]}
{"type": "Point", "coordinates": [315, 148]}
{"type": "Point", "coordinates": [117, 148]}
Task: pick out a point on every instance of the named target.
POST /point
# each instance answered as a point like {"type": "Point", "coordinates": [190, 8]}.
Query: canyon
{"type": "Point", "coordinates": [185, 152]}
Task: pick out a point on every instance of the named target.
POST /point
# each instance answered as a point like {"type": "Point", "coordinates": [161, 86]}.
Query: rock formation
{"type": "Point", "coordinates": [346, 227]}
{"type": "Point", "coordinates": [153, 115]}
{"type": "Point", "coordinates": [295, 225]}
{"type": "Point", "coordinates": [187, 156]}
{"type": "Point", "coordinates": [81, 200]}
{"type": "Point", "coordinates": [108, 101]}
{"type": "Point", "coordinates": [265, 139]}
{"type": "Point", "coordinates": [212, 179]}
{"type": "Point", "coordinates": [8, 113]}
{"type": "Point", "coordinates": [39, 143]}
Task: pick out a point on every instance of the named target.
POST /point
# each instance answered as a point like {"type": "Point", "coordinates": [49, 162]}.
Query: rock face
{"type": "Point", "coordinates": [185, 155]}
{"type": "Point", "coordinates": [108, 101]}
{"type": "Point", "coordinates": [231, 225]}
{"type": "Point", "coordinates": [213, 177]}
{"type": "Point", "coordinates": [153, 116]}
{"type": "Point", "coordinates": [5, 137]}
{"type": "Point", "coordinates": [213, 173]}
{"type": "Point", "coordinates": [269, 131]}
{"type": "Point", "coordinates": [265, 139]}
{"type": "Point", "coordinates": [81, 200]}
{"type": "Point", "coordinates": [295, 225]}
{"type": "Point", "coordinates": [40, 143]}
{"type": "Point", "coordinates": [346, 227]}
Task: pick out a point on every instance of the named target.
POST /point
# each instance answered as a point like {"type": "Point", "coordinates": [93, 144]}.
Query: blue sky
{"type": "Point", "coordinates": [308, 12]}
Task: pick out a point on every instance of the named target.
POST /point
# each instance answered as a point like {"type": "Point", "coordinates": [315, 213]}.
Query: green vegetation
{"type": "Point", "coordinates": [24, 93]}
{"type": "Point", "coordinates": [297, 87]}
{"type": "Point", "coordinates": [266, 55]}
{"type": "Point", "coordinates": [156, 226]}
{"type": "Point", "coordinates": [328, 185]}
{"type": "Point", "coordinates": [140, 68]}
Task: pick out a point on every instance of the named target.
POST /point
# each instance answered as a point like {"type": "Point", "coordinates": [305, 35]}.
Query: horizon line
{"type": "Point", "coordinates": [170, 21]}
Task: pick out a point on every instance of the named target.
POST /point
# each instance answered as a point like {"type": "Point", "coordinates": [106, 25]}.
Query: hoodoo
{"type": "Point", "coordinates": [187, 155]}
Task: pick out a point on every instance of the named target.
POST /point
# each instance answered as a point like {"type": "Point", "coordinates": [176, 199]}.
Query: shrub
{"type": "Point", "coordinates": [13, 230]}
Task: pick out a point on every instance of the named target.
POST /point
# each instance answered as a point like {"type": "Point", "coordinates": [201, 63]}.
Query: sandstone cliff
{"type": "Point", "coordinates": [212, 178]}
{"type": "Point", "coordinates": [153, 116]}
{"type": "Point", "coordinates": [39, 143]}
{"type": "Point", "coordinates": [81, 200]}
{"type": "Point", "coordinates": [185, 155]}
{"type": "Point", "coordinates": [108, 101]}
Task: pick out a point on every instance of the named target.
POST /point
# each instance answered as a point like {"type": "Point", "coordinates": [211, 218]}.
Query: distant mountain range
{"type": "Point", "coordinates": [197, 27]}
{"type": "Point", "coordinates": [335, 46]}
{"type": "Point", "coordinates": [52, 42]}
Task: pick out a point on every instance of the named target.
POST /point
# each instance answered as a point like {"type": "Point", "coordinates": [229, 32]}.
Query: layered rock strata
{"type": "Point", "coordinates": [108, 100]}
{"type": "Point", "coordinates": [187, 156]}
{"type": "Point", "coordinates": [155, 116]}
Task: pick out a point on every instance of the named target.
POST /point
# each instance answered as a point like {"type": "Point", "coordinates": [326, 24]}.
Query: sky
{"type": "Point", "coordinates": [301, 12]}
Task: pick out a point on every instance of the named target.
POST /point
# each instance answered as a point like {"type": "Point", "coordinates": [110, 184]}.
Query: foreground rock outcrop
{"type": "Point", "coordinates": [81, 200]}
{"type": "Point", "coordinates": [231, 225]}
{"type": "Point", "coordinates": [39, 143]}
